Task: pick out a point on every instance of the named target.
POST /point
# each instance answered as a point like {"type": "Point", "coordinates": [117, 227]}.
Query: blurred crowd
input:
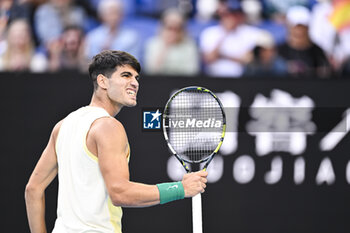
{"type": "Point", "coordinates": [215, 38]}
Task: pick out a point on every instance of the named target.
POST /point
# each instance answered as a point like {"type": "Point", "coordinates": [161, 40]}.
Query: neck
{"type": "Point", "coordinates": [103, 102]}
{"type": "Point", "coordinates": [113, 28]}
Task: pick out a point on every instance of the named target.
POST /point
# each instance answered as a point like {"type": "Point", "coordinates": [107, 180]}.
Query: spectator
{"type": "Point", "coordinates": [172, 52]}
{"type": "Point", "coordinates": [227, 47]}
{"type": "Point", "coordinates": [335, 42]}
{"type": "Point", "coordinates": [68, 52]}
{"type": "Point", "coordinates": [266, 63]}
{"type": "Point", "coordinates": [276, 10]}
{"type": "Point", "coordinates": [19, 54]}
{"type": "Point", "coordinates": [52, 17]}
{"type": "Point", "coordinates": [110, 35]}
{"type": "Point", "coordinates": [303, 57]}
{"type": "Point", "coordinates": [13, 9]}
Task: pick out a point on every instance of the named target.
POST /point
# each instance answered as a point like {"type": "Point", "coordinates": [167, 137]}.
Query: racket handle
{"type": "Point", "coordinates": [197, 213]}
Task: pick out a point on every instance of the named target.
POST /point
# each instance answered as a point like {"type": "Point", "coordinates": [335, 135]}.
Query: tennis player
{"type": "Point", "coordinates": [89, 151]}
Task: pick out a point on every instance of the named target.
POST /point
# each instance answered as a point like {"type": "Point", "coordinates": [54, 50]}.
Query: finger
{"type": "Point", "coordinates": [203, 173]}
{"type": "Point", "coordinates": [201, 184]}
{"type": "Point", "coordinates": [204, 180]}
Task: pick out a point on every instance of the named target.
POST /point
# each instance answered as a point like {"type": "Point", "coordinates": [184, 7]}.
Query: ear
{"type": "Point", "coordinates": [102, 81]}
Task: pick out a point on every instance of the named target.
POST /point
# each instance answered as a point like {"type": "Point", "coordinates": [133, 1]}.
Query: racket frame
{"type": "Point", "coordinates": [211, 156]}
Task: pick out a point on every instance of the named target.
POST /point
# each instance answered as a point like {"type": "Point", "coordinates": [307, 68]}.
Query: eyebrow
{"type": "Point", "coordinates": [130, 74]}
{"type": "Point", "coordinates": [126, 72]}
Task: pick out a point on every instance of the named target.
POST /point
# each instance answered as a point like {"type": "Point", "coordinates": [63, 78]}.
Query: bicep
{"type": "Point", "coordinates": [112, 144]}
{"type": "Point", "coordinates": [113, 165]}
{"type": "Point", "coordinates": [112, 149]}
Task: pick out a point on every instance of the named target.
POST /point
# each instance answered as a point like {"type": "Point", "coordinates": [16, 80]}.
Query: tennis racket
{"type": "Point", "coordinates": [194, 127]}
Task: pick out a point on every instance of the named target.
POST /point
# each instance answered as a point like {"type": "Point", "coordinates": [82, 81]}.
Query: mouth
{"type": "Point", "coordinates": [131, 93]}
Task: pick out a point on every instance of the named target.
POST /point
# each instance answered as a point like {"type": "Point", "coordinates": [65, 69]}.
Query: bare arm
{"type": "Point", "coordinates": [45, 171]}
{"type": "Point", "coordinates": [214, 55]}
{"type": "Point", "coordinates": [111, 145]}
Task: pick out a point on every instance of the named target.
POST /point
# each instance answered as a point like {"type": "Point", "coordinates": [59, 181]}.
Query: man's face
{"type": "Point", "coordinates": [112, 16]}
{"type": "Point", "coordinates": [230, 19]}
{"type": "Point", "coordinates": [299, 32]}
{"type": "Point", "coordinates": [123, 86]}
{"type": "Point", "coordinates": [71, 41]}
{"type": "Point", "coordinates": [299, 36]}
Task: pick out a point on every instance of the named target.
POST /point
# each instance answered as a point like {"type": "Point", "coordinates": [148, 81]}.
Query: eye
{"type": "Point", "coordinates": [137, 78]}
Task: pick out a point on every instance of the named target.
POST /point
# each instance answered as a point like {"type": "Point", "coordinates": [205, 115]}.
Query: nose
{"type": "Point", "coordinates": [135, 83]}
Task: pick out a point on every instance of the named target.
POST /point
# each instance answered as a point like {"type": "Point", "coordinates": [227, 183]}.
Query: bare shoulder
{"type": "Point", "coordinates": [108, 136]}
{"type": "Point", "coordinates": [108, 127]}
{"type": "Point", "coordinates": [56, 129]}
{"type": "Point", "coordinates": [108, 124]}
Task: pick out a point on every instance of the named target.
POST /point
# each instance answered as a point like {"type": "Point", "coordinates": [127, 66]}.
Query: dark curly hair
{"type": "Point", "coordinates": [108, 61]}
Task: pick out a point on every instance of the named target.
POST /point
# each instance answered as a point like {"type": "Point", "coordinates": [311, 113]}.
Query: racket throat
{"type": "Point", "coordinates": [196, 166]}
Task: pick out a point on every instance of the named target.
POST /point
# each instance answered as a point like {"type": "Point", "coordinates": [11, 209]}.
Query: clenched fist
{"type": "Point", "coordinates": [194, 183]}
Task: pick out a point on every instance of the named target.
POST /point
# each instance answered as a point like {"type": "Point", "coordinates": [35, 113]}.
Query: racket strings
{"type": "Point", "coordinates": [194, 124]}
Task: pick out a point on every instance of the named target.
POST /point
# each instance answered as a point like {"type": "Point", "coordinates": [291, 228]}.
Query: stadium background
{"type": "Point", "coordinates": [32, 103]}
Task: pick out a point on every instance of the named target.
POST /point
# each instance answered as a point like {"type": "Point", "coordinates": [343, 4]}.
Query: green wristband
{"type": "Point", "coordinates": [171, 192]}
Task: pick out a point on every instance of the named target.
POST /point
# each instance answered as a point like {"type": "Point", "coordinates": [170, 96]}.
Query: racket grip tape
{"type": "Point", "coordinates": [170, 192]}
